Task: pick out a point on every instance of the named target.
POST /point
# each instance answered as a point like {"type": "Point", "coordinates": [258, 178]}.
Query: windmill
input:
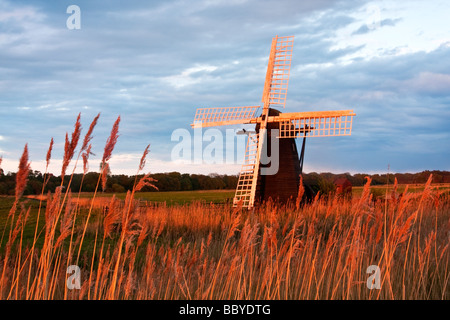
{"type": "Point", "coordinates": [254, 187]}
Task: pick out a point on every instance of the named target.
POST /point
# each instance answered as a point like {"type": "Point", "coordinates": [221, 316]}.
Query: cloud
{"type": "Point", "coordinates": [366, 28]}
{"type": "Point", "coordinates": [390, 22]}
{"type": "Point", "coordinates": [190, 76]}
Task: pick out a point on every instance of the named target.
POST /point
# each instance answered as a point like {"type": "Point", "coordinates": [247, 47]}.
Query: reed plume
{"type": "Point", "coordinates": [49, 154]}
{"type": "Point", "coordinates": [70, 146]}
{"type": "Point", "coordinates": [146, 180]}
{"type": "Point", "coordinates": [86, 146]}
{"type": "Point", "coordinates": [22, 174]}
{"type": "Point", "coordinates": [88, 136]}
{"type": "Point", "coordinates": [111, 142]}
{"type": "Point", "coordinates": [142, 163]}
{"type": "Point", "coordinates": [75, 135]}
{"type": "Point", "coordinates": [109, 147]}
{"type": "Point", "coordinates": [85, 157]}
{"type": "Point", "coordinates": [21, 179]}
{"type": "Point", "coordinates": [301, 191]}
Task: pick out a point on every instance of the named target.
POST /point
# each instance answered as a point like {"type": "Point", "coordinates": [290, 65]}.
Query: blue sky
{"type": "Point", "coordinates": [154, 62]}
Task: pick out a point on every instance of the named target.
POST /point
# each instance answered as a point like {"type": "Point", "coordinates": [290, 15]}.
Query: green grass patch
{"type": "Point", "coordinates": [176, 197]}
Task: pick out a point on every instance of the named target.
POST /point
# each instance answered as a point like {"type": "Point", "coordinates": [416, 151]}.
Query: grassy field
{"type": "Point", "coordinates": [180, 197]}
{"type": "Point", "coordinates": [223, 196]}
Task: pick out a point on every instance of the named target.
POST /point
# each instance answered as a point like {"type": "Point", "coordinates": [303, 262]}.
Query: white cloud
{"type": "Point", "coordinates": [21, 14]}
{"type": "Point", "coordinates": [399, 28]}
{"type": "Point", "coordinates": [185, 78]}
{"type": "Point", "coordinates": [31, 34]}
{"type": "Point", "coordinates": [57, 106]}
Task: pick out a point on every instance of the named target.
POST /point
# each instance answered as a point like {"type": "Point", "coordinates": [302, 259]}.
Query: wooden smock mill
{"type": "Point", "coordinates": [254, 187]}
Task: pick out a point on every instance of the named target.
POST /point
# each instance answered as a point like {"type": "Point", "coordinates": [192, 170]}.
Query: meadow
{"type": "Point", "coordinates": [128, 247]}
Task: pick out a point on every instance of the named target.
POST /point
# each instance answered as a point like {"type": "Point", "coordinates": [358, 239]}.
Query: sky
{"type": "Point", "coordinates": [153, 63]}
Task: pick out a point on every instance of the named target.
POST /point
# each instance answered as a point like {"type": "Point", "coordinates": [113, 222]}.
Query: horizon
{"type": "Point", "coordinates": [387, 61]}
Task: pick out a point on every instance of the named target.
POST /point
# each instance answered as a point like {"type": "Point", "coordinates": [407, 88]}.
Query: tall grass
{"type": "Point", "coordinates": [317, 250]}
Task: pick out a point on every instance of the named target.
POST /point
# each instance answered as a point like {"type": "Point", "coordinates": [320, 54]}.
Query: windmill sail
{"type": "Point", "coordinates": [315, 124]}
{"type": "Point", "coordinates": [209, 117]}
{"type": "Point", "coordinates": [278, 68]}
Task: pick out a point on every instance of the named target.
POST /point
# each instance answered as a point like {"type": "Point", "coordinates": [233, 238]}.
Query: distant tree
{"type": "Point", "coordinates": [326, 186]}
{"type": "Point", "coordinates": [185, 182]}
{"type": "Point", "coordinates": [230, 181]}
{"type": "Point", "coordinates": [195, 183]}
{"type": "Point", "coordinates": [35, 186]}
{"type": "Point", "coordinates": [117, 188]}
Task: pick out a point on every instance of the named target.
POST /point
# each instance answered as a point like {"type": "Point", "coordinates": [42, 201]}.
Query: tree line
{"type": "Point", "coordinates": [172, 181]}
{"type": "Point", "coordinates": [175, 181]}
